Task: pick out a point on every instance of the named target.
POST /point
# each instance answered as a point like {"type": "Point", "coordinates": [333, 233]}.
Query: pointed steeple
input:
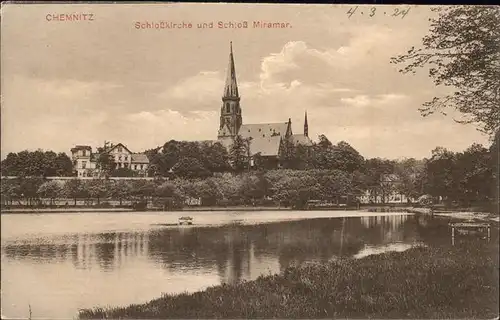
{"type": "Point", "coordinates": [306, 126]}
{"type": "Point", "coordinates": [230, 117]}
{"type": "Point", "coordinates": [289, 132]}
{"type": "Point", "coordinates": [231, 86]}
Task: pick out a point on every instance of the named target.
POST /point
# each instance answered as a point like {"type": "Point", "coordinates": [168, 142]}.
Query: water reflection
{"type": "Point", "coordinates": [236, 251]}
{"type": "Point", "coordinates": [132, 267]}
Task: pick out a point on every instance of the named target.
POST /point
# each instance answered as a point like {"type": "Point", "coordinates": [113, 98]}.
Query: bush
{"type": "Point", "coordinates": [436, 283]}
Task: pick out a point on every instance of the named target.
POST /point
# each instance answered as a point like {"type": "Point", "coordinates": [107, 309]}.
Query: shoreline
{"type": "Point", "coordinates": [187, 209]}
{"type": "Point", "coordinates": [318, 290]}
{"type": "Point", "coordinates": [484, 216]}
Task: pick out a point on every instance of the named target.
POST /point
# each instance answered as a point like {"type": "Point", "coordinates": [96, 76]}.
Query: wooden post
{"type": "Point", "coordinates": [452, 236]}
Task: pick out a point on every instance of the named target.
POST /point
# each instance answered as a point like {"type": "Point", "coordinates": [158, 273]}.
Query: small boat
{"type": "Point", "coordinates": [185, 220]}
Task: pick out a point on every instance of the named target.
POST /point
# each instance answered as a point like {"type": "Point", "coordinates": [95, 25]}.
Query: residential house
{"type": "Point", "coordinates": [85, 162]}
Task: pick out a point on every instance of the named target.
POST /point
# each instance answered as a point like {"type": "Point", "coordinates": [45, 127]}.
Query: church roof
{"type": "Point", "coordinates": [268, 146]}
{"type": "Point", "coordinates": [301, 139]}
{"type": "Point", "coordinates": [231, 86]}
{"type": "Point", "coordinates": [263, 130]}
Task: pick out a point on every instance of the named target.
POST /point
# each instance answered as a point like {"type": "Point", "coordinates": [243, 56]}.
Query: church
{"type": "Point", "coordinates": [265, 139]}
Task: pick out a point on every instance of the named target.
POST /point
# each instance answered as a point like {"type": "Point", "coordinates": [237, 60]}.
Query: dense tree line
{"type": "Point", "coordinates": [192, 159]}
{"type": "Point", "coordinates": [37, 163]}
{"type": "Point", "coordinates": [189, 159]}
{"type": "Point", "coordinates": [463, 178]}
{"type": "Point", "coordinates": [323, 171]}
{"type": "Point", "coordinates": [458, 178]}
{"type": "Point", "coordinates": [291, 187]}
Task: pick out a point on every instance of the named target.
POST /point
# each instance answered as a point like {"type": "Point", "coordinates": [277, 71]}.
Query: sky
{"type": "Point", "coordinates": [65, 83]}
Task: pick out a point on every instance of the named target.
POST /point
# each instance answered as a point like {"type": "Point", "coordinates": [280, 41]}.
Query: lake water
{"type": "Point", "coordinates": [59, 263]}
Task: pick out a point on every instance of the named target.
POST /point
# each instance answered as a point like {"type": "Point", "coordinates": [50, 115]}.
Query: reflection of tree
{"type": "Point", "coordinates": [387, 229]}
{"type": "Point", "coordinates": [41, 253]}
{"type": "Point", "coordinates": [433, 231]}
{"type": "Point", "coordinates": [235, 251]}
{"type": "Point", "coordinates": [106, 250]}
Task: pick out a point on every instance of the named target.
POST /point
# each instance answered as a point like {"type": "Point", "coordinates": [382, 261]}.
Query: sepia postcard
{"type": "Point", "coordinates": [223, 160]}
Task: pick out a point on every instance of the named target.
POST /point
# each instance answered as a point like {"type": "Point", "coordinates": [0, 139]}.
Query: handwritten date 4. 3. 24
{"type": "Point", "coordinates": [372, 11]}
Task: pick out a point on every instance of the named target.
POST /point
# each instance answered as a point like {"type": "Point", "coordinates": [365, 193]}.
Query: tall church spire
{"type": "Point", "coordinates": [230, 116]}
{"type": "Point", "coordinates": [306, 126]}
{"type": "Point", "coordinates": [231, 86]}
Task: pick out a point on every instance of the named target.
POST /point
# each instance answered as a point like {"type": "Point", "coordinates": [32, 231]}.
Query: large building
{"type": "Point", "coordinates": [265, 139]}
{"type": "Point", "coordinates": [84, 161]}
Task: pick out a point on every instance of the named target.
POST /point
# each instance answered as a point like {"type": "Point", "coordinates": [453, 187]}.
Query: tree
{"type": "Point", "coordinates": [10, 190]}
{"type": "Point", "coordinates": [334, 184]}
{"type": "Point", "coordinates": [73, 189]}
{"type": "Point", "coordinates": [323, 154]}
{"type": "Point", "coordinates": [64, 165]}
{"type": "Point", "coordinates": [123, 172]}
{"type": "Point", "coordinates": [473, 175]}
{"type": "Point", "coordinates": [171, 154]}
{"type": "Point", "coordinates": [28, 186]}
{"type": "Point", "coordinates": [97, 188]}
{"type": "Point", "coordinates": [252, 187]}
{"type": "Point", "coordinates": [37, 163]}
{"type": "Point", "coordinates": [11, 165]}
{"type": "Point", "coordinates": [346, 158]}
{"type": "Point", "coordinates": [286, 154]}
{"type": "Point", "coordinates": [215, 157]}
{"type": "Point", "coordinates": [376, 170]}
{"type": "Point", "coordinates": [152, 152]}
{"type": "Point", "coordinates": [105, 163]}
{"type": "Point", "coordinates": [142, 188]}
{"type": "Point", "coordinates": [461, 51]}
{"type": "Point", "coordinates": [297, 190]}
{"type": "Point", "coordinates": [229, 186]}
{"type": "Point", "coordinates": [120, 190]}
{"type": "Point", "coordinates": [208, 190]}
{"type": "Point", "coordinates": [169, 194]}
{"type": "Point", "coordinates": [441, 175]}
{"type": "Point", "coordinates": [238, 154]}
{"type": "Point", "coordinates": [50, 189]}
{"type": "Point", "coordinates": [409, 172]}
{"type": "Point", "coordinates": [190, 168]}
{"type": "Point", "coordinates": [157, 165]}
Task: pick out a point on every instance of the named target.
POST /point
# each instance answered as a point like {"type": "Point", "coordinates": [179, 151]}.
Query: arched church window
{"type": "Point", "coordinates": [228, 107]}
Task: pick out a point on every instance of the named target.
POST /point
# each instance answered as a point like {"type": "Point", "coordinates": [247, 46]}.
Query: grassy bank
{"type": "Point", "coordinates": [418, 283]}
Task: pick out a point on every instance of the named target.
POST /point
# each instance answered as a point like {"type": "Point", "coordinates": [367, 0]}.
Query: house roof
{"type": "Point", "coordinates": [263, 130]}
{"type": "Point", "coordinates": [139, 158]}
{"type": "Point", "coordinates": [118, 145]}
{"type": "Point", "coordinates": [266, 146]}
{"type": "Point", "coordinates": [80, 147]}
{"type": "Point", "coordinates": [300, 139]}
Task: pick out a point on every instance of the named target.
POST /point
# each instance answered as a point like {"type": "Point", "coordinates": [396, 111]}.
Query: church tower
{"type": "Point", "coordinates": [306, 126]}
{"type": "Point", "coordinates": [230, 115]}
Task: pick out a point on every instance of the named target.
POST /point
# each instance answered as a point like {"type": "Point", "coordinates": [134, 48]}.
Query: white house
{"type": "Point", "coordinates": [84, 161]}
